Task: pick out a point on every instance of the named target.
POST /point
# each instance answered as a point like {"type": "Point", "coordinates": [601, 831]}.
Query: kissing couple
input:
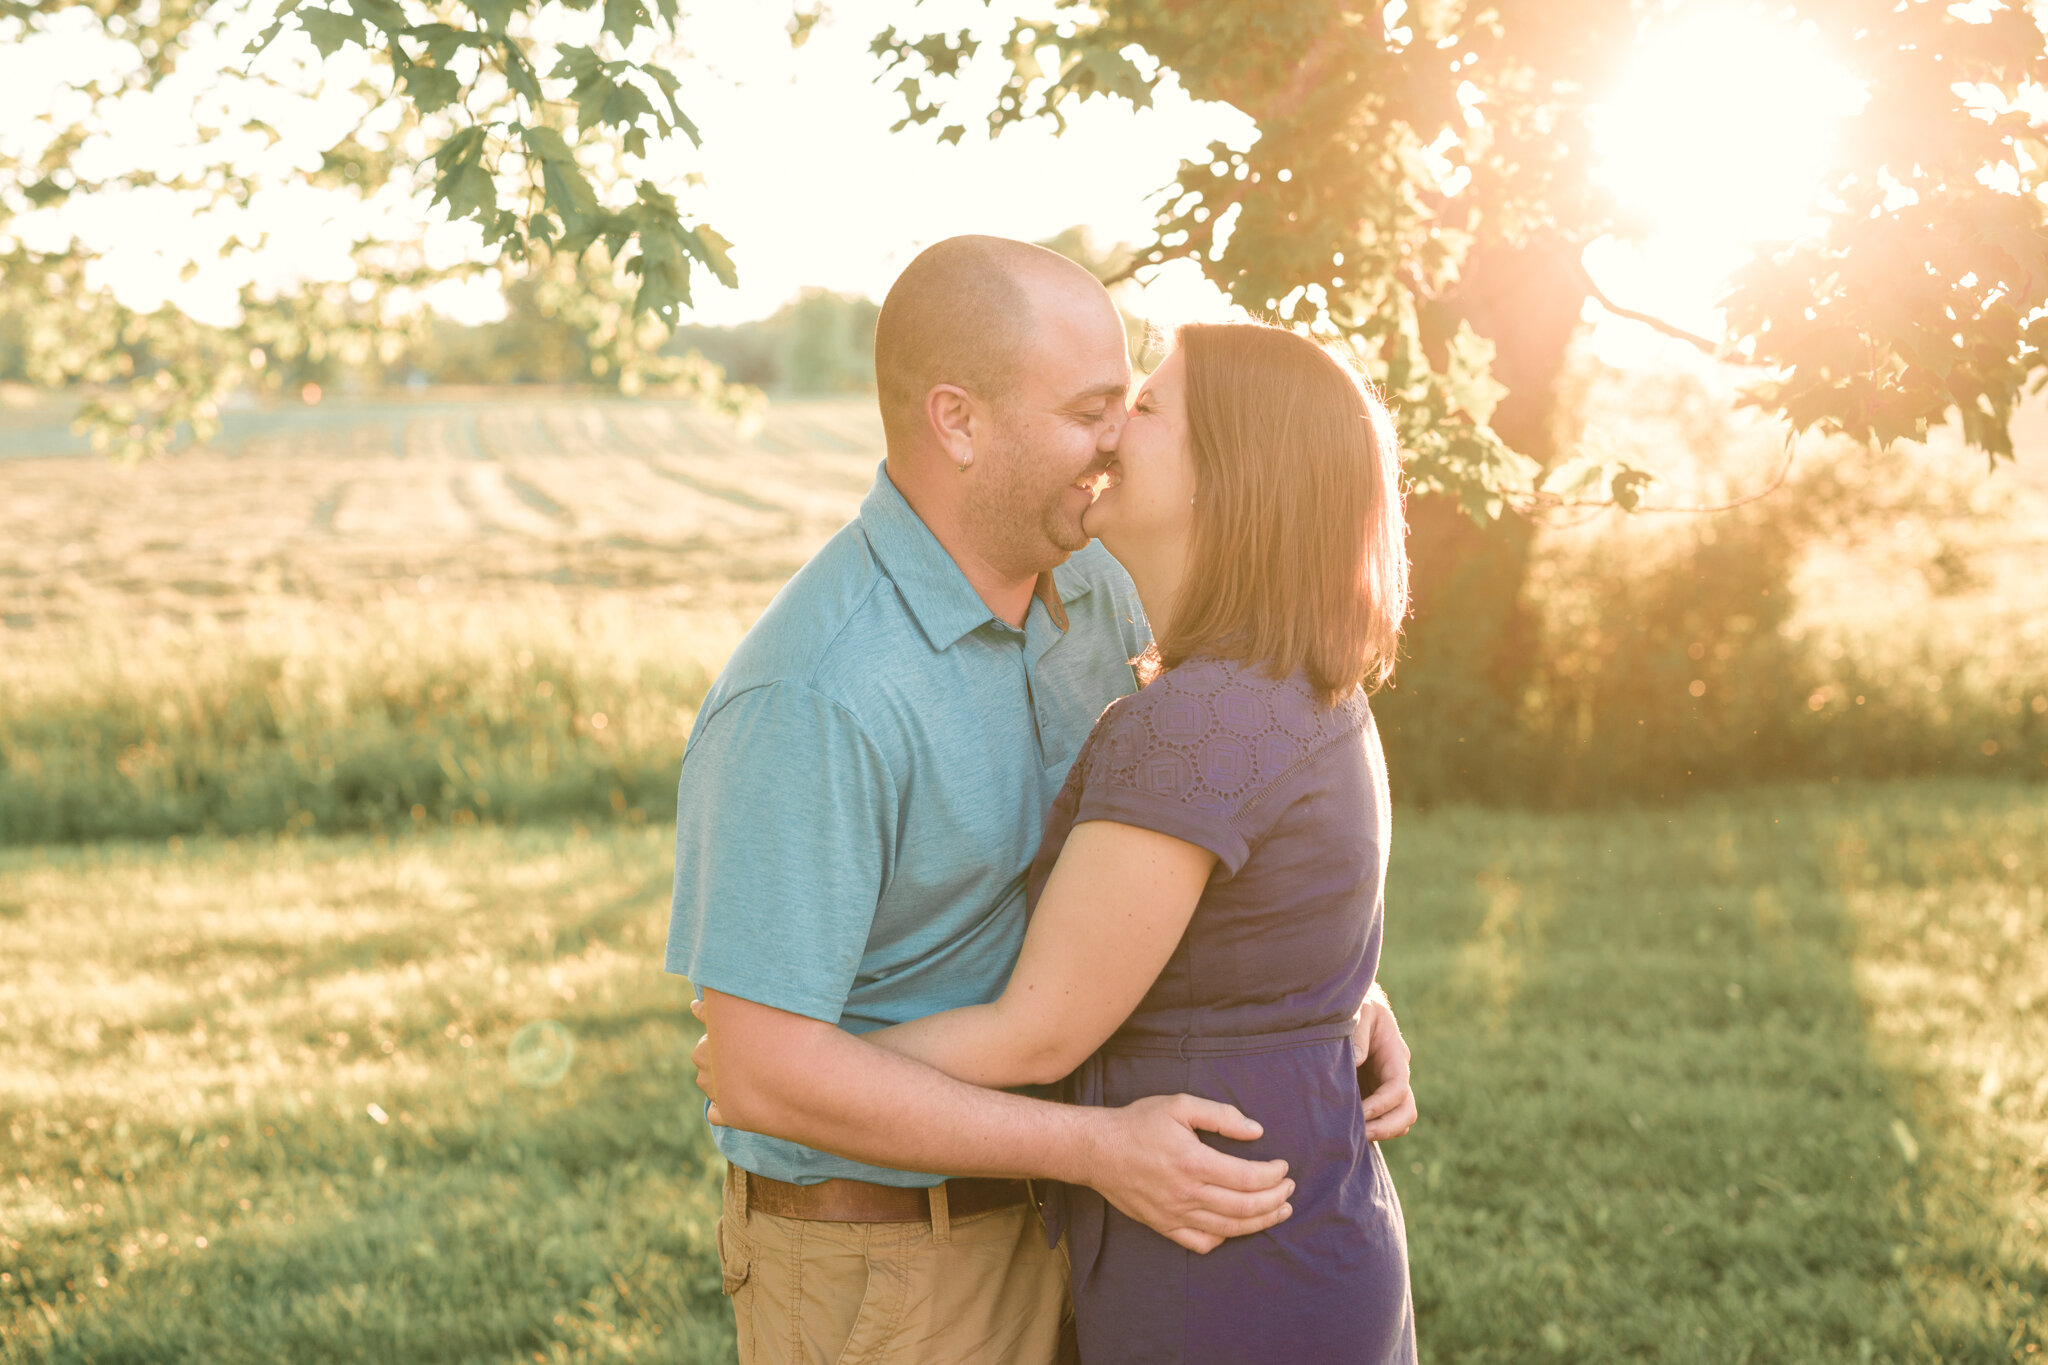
{"type": "Point", "coordinates": [1030, 856]}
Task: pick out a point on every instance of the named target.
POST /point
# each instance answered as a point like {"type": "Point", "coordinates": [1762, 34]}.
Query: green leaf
{"type": "Point", "coordinates": [714, 251]}
{"type": "Point", "coordinates": [601, 98]}
{"type": "Point", "coordinates": [1023, 57]}
{"type": "Point", "coordinates": [913, 100]}
{"type": "Point", "coordinates": [579, 64]}
{"type": "Point", "coordinates": [329, 30]}
{"type": "Point", "coordinates": [1099, 69]}
{"type": "Point", "coordinates": [1573, 477]}
{"type": "Point", "coordinates": [440, 42]}
{"type": "Point", "coordinates": [1468, 375]}
{"type": "Point", "coordinates": [802, 21]}
{"type": "Point", "coordinates": [664, 271]}
{"type": "Point", "coordinates": [495, 14]}
{"type": "Point", "coordinates": [386, 15]}
{"type": "Point", "coordinates": [669, 86]}
{"type": "Point", "coordinates": [546, 144]}
{"type": "Point", "coordinates": [264, 39]}
{"type": "Point", "coordinates": [624, 18]}
{"type": "Point", "coordinates": [1628, 485]}
{"type": "Point", "coordinates": [431, 88]}
{"type": "Point", "coordinates": [460, 180]}
{"type": "Point", "coordinates": [624, 106]}
{"type": "Point", "coordinates": [520, 75]}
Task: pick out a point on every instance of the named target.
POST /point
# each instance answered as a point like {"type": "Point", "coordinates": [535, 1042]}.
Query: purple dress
{"type": "Point", "coordinates": [1254, 1008]}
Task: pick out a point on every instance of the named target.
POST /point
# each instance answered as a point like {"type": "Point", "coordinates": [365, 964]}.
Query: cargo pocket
{"type": "Point", "coordinates": [735, 1258]}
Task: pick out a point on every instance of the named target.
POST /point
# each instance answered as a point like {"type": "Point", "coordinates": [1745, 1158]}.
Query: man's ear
{"type": "Point", "coordinates": [950, 410]}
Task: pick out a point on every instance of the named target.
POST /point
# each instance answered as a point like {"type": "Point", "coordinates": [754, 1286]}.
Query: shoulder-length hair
{"type": "Point", "coordinates": [1297, 560]}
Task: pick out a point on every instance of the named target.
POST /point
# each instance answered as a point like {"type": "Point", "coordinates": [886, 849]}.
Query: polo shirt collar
{"type": "Point", "coordinates": [940, 598]}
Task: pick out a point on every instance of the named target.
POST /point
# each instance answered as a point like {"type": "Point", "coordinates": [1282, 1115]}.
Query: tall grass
{"type": "Point", "coordinates": [374, 720]}
{"type": "Point", "coordinates": [403, 716]}
{"type": "Point", "coordinates": [1878, 616]}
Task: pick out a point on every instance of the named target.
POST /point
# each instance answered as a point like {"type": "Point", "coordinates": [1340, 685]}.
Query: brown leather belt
{"type": "Point", "coordinates": [858, 1201]}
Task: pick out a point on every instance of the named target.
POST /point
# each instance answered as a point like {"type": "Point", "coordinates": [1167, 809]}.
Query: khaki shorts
{"type": "Point", "coordinates": [985, 1288]}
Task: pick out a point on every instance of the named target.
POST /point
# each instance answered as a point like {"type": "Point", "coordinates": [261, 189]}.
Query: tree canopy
{"type": "Point", "coordinates": [1421, 184]}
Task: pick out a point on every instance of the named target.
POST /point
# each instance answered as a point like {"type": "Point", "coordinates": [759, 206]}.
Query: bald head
{"type": "Point", "coordinates": [966, 312]}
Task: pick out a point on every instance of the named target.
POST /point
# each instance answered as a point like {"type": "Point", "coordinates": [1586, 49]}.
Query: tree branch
{"type": "Point", "coordinates": [1716, 350]}
{"type": "Point", "coordinates": [1539, 504]}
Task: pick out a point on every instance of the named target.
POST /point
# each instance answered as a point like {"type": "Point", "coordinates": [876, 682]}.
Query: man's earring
{"type": "Point", "coordinates": [960, 468]}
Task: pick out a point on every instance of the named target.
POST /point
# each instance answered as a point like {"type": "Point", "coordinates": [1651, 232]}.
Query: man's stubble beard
{"type": "Point", "coordinates": [1017, 514]}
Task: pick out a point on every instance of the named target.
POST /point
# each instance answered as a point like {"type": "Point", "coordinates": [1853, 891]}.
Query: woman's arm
{"type": "Point", "coordinates": [1117, 902]}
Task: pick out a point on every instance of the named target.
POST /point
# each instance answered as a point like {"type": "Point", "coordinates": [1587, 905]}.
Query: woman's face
{"type": "Point", "coordinates": [1147, 508]}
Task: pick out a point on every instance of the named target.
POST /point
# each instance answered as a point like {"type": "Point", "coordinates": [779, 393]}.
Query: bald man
{"type": "Point", "coordinates": [861, 795]}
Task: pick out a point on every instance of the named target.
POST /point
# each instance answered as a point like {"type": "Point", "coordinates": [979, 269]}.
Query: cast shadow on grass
{"type": "Point", "coordinates": [565, 1225]}
{"type": "Point", "coordinates": [1657, 1122]}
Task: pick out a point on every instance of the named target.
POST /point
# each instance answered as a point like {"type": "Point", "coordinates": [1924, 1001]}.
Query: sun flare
{"type": "Point", "coordinates": [1716, 135]}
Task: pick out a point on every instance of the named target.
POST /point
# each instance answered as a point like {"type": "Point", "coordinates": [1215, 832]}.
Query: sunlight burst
{"type": "Point", "coordinates": [1715, 137]}
{"type": "Point", "coordinates": [1720, 130]}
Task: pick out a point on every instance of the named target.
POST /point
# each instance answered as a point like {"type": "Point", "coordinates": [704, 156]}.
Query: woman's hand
{"type": "Point", "coordinates": [1382, 1057]}
{"type": "Point", "coordinates": [705, 1059]}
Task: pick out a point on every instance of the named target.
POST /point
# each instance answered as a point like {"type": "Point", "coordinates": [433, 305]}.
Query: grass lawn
{"type": "Point", "coordinates": [1761, 1079]}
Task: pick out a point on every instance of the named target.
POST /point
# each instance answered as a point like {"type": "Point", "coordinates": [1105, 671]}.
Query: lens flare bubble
{"type": "Point", "coordinates": [539, 1054]}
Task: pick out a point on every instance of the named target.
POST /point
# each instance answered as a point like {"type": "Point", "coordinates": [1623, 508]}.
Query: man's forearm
{"type": "Point", "coordinates": [804, 1080]}
{"type": "Point", "coordinates": [842, 1095]}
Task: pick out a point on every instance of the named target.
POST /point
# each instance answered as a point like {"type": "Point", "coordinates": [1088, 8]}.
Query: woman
{"type": "Point", "coordinates": [1256, 507]}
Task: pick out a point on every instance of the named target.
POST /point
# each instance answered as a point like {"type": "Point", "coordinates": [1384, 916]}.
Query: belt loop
{"type": "Point", "coordinates": [942, 1216]}
{"type": "Point", "coordinates": [740, 1192]}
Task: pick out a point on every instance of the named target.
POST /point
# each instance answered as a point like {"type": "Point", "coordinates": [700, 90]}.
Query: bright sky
{"type": "Point", "coordinates": [1714, 138]}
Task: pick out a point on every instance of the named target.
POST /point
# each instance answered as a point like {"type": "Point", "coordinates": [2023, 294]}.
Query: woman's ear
{"type": "Point", "coordinates": [950, 410]}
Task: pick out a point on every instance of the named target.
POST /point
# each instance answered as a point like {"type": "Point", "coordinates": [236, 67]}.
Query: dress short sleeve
{"type": "Point", "coordinates": [784, 814]}
{"type": "Point", "coordinates": [1199, 754]}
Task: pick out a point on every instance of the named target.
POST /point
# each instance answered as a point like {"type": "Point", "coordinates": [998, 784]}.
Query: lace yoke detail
{"type": "Point", "coordinates": [1214, 735]}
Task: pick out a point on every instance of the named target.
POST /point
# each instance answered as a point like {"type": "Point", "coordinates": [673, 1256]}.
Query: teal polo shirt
{"type": "Point", "coordinates": [866, 784]}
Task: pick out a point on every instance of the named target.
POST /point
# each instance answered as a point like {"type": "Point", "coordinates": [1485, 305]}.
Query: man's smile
{"type": "Point", "coordinates": [1099, 479]}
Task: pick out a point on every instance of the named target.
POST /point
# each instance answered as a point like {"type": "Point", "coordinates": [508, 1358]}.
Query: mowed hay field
{"type": "Point", "coordinates": [332, 1026]}
{"type": "Point", "coordinates": [1765, 1080]}
{"type": "Point", "coordinates": [482, 495]}
{"type": "Point", "coordinates": [352, 616]}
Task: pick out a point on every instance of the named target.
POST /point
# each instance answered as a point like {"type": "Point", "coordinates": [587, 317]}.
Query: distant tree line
{"type": "Point", "coordinates": [818, 343]}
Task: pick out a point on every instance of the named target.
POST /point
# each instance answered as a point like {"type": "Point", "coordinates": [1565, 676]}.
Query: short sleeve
{"type": "Point", "coordinates": [785, 816]}
{"type": "Point", "coordinates": [1199, 756]}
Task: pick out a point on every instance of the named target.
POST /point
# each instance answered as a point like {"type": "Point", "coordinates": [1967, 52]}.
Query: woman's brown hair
{"type": "Point", "coordinates": [1298, 556]}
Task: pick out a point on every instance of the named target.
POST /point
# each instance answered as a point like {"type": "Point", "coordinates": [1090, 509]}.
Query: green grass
{"type": "Point", "coordinates": [258, 1105]}
{"type": "Point", "coordinates": [380, 720]}
{"type": "Point", "coordinates": [1764, 1078]}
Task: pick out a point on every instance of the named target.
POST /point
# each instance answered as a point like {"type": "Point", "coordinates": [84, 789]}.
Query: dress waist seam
{"type": "Point", "coordinates": [1245, 1045]}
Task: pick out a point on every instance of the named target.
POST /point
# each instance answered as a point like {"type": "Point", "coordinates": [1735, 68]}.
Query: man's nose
{"type": "Point", "coordinates": [1112, 430]}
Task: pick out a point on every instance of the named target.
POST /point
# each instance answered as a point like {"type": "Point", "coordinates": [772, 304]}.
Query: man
{"type": "Point", "coordinates": [861, 795]}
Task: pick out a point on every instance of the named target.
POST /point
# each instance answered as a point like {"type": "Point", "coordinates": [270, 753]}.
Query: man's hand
{"type": "Point", "coordinates": [1149, 1163]}
{"type": "Point", "coordinates": [1382, 1058]}
{"type": "Point", "coordinates": [1144, 1158]}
